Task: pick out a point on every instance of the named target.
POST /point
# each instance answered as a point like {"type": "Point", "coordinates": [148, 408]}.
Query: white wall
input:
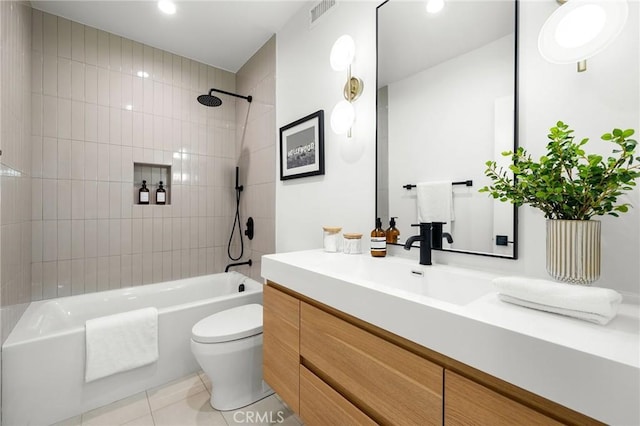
{"type": "Point", "coordinates": [606, 96]}
{"type": "Point", "coordinates": [344, 196]}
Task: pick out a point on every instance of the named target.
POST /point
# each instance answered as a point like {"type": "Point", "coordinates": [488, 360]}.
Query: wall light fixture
{"type": "Point", "coordinates": [580, 29]}
{"type": "Point", "coordinates": [343, 114]}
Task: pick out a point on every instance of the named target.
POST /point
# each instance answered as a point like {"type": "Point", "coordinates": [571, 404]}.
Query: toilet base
{"type": "Point", "coordinates": [235, 371]}
{"type": "Point", "coordinates": [221, 403]}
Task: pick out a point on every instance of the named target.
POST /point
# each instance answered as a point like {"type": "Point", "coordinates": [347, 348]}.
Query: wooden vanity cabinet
{"type": "Point", "coordinates": [281, 343]}
{"type": "Point", "coordinates": [332, 368]}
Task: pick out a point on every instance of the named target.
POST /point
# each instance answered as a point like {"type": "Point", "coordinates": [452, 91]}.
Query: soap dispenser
{"type": "Point", "coordinates": [378, 240]}
{"type": "Point", "coordinates": [392, 232]}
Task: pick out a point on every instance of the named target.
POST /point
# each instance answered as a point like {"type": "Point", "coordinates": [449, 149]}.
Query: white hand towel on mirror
{"type": "Point", "coordinates": [594, 304]}
{"type": "Point", "coordinates": [435, 201]}
{"type": "Point", "coordinates": [120, 342]}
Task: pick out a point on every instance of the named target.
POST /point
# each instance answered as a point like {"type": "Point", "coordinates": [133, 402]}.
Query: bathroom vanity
{"type": "Point", "coordinates": [357, 340]}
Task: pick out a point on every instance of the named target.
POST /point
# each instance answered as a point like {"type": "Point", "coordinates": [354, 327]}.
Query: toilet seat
{"type": "Point", "coordinates": [231, 324]}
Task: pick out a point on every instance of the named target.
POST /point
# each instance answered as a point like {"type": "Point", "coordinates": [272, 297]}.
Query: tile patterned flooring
{"type": "Point", "coordinates": [183, 402]}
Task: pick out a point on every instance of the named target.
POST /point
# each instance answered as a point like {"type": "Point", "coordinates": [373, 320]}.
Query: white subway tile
{"type": "Point", "coordinates": [91, 238]}
{"type": "Point", "coordinates": [90, 161]}
{"type": "Point", "coordinates": [77, 42]}
{"type": "Point", "coordinates": [137, 93]}
{"type": "Point", "coordinates": [147, 268]}
{"type": "Point", "coordinates": [49, 240]}
{"type": "Point", "coordinates": [102, 195]}
{"type": "Point", "coordinates": [115, 200]}
{"type": "Point", "coordinates": [158, 65]}
{"type": "Point", "coordinates": [167, 234]}
{"type": "Point", "coordinates": [36, 25]}
{"type": "Point", "coordinates": [90, 199]}
{"type": "Point", "coordinates": [103, 274]}
{"type": "Point", "coordinates": [103, 237]}
{"type": "Point", "coordinates": [50, 116]}
{"type": "Point", "coordinates": [125, 236]}
{"type": "Point", "coordinates": [115, 52]}
{"type": "Point", "coordinates": [147, 236]}
{"type": "Point", "coordinates": [50, 34]}
{"type": "Point", "coordinates": [64, 159]}
{"type": "Point", "coordinates": [36, 240]}
{"type": "Point", "coordinates": [36, 199]}
{"type": "Point", "coordinates": [166, 266]}
{"type": "Point", "coordinates": [103, 49]}
{"type": "Point", "coordinates": [90, 122]}
{"type": "Point", "coordinates": [77, 199]}
{"type": "Point", "coordinates": [64, 38]}
{"type": "Point", "coordinates": [148, 131]}
{"type": "Point", "coordinates": [138, 57]}
{"type": "Point", "coordinates": [91, 84]}
{"type": "Point", "coordinates": [77, 276]}
{"type": "Point", "coordinates": [157, 267]}
{"type": "Point", "coordinates": [136, 269]}
{"type": "Point", "coordinates": [127, 56]}
{"type": "Point", "coordinates": [115, 237]}
{"type": "Point", "coordinates": [103, 162]}
{"type": "Point", "coordinates": [77, 120]}
{"type": "Point", "coordinates": [64, 78]}
{"type": "Point", "coordinates": [50, 279]}
{"type": "Point", "coordinates": [77, 81]}
{"type": "Point", "coordinates": [64, 239]}
{"type": "Point", "coordinates": [91, 45]}
{"type": "Point", "coordinates": [77, 160]}
{"type": "Point", "coordinates": [127, 128]}
{"type": "Point", "coordinates": [64, 278]}
{"type": "Point", "coordinates": [64, 199]}
{"type": "Point", "coordinates": [136, 235]}
{"type": "Point", "coordinates": [64, 118]}
{"type": "Point", "coordinates": [49, 199]}
{"type": "Point", "coordinates": [90, 274]}
{"type": "Point", "coordinates": [157, 230]}
{"type": "Point", "coordinates": [115, 89]}
{"type": "Point", "coordinates": [37, 76]}
{"type": "Point", "coordinates": [77, 239]}
{"type": "Point", "coordinates": [147, 88]}
{"type": "Point", "coordinates": [36, 281]}
{"type": "Point", "coordinates": [104, 123]}
{"type": "Point", "coordinates": [36, 114]}
{"type": "Point", "coordinates": [176, 264]}
{"type": "Point", "coordinates": [115, 126]}
{"type": "Point", "coordinates": [103, 86]}
{"type": "Point", "coordinates": [127, 200]}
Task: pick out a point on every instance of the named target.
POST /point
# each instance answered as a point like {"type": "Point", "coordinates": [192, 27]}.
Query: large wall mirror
{"type": "Point", "coordinates": [447, 103]}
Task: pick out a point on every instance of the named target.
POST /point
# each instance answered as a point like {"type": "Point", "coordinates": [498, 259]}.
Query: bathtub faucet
{"type": "Point", "coordinates": [248, 262]}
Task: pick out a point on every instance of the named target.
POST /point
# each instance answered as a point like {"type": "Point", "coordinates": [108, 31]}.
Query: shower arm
{"type": "Point", "coordinates": [248, 98]}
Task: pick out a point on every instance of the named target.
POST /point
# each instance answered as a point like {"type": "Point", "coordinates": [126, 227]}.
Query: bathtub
{"type": "Point", "coordinates": [43, 359]}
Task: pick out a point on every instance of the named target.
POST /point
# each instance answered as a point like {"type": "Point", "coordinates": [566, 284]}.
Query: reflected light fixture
{"type": "Point", "coordinates": [343, 114]}
{"type": "Point", "coordinates": [580, 29]}
{"type": "Point", "coordinates": [167, 6]}
{"type": "Point", "coordinates": [434, 6]}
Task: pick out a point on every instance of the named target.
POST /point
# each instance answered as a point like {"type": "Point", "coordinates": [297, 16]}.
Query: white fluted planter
{"type": "Point", "coordinates": [573, 250]}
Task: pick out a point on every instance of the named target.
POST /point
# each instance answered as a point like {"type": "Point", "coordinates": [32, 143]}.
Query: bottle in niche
{"type": "Point", "coordinates": [378, 240]}
{"type": "Point", "coordinates": [161, 195]}
{"type": "Point", "coordinates": [143, 194]}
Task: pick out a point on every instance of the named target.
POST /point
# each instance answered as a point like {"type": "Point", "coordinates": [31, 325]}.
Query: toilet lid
{"type": "Point", "coordinates": [231, 324]}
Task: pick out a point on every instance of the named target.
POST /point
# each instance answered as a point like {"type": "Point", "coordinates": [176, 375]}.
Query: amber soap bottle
{"type": "Point", "coordinates": [378, 240]}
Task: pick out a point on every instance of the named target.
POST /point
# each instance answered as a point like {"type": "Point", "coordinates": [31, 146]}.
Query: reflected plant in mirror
{"type": "Point", "coordinates": [446, 98]}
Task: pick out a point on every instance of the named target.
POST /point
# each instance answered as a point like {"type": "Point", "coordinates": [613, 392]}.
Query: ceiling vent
{"type": "Point", "coordinates": [321, 8]}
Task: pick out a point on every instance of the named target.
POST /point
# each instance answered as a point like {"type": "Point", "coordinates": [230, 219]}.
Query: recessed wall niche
{"type": "Point", "coordinates": [153, 174]}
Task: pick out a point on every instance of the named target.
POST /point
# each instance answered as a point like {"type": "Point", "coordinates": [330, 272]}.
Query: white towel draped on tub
{"type": "Point", "coordinates": [435, 201]}
{"type": "Point", "coordinates": [121, 342]}
{"type": "Point", "coordinates": [594, 304]}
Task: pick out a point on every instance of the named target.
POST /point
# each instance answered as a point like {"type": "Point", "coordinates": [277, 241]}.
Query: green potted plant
{"type": "Point", "coordinates": [570, 187]}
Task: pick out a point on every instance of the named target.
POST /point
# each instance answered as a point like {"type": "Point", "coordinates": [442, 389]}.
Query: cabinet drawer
{"type": "Point", "coordinates": [390, 384]}
{"type": "Point", "coordinates": [321, 405]}
{"type": "Point", "coordinates": [469, 403]}
{"type": "Point", "coordinates": [281, 359]}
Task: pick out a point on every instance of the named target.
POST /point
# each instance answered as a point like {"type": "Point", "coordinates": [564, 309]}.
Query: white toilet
{"type": "Point", "coordinates": [228, 347]}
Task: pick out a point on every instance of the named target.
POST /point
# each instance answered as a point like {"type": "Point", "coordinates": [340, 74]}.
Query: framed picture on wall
{"type": "Point", "coordinates": [302, 147]}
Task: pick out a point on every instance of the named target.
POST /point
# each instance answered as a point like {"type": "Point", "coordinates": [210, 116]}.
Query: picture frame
{"type": "Point", "coordinates": [302, 147]}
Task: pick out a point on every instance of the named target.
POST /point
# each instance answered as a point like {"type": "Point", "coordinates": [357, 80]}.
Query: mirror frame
{"type": "Point", "coordinates": [515, 131]}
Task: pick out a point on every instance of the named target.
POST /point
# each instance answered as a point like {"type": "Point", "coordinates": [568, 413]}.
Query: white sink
{"type": "Point", "coordinates": [407, 278]}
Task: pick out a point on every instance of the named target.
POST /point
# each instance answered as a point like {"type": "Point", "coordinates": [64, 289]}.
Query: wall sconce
{"type": "Point", "coordinates": [580, 29]}
{"type": "Point", "coordinates": [343, 114]}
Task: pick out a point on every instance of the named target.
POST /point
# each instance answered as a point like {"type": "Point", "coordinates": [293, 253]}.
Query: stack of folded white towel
{"type": "Point", "coordinates": [594, 304]}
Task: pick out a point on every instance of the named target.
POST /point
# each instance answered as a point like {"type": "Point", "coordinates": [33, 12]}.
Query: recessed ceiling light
{"type": "Point", "coordinates": [167, 6]}
{"type": "Point", "coordinates": [434, 6]}
{"type": "Point", "coordinates": [142, 74]}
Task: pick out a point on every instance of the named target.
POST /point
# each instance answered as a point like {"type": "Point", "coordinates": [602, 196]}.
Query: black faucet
{"type": "Point", "coordinates": [425, 243]}
{"type": "Point", "coordinates": [437, 235]}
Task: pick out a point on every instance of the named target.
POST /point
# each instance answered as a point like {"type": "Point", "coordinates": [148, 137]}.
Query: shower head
{"type": "Point", "coordinates": [214, 101]}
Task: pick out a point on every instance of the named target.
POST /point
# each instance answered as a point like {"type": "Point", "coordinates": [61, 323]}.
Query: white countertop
{"type": "Point", "coordinates": [590, 368]}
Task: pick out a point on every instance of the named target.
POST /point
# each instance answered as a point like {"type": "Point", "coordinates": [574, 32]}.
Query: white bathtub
{"type": "Point", "coordinates": [43, 359]}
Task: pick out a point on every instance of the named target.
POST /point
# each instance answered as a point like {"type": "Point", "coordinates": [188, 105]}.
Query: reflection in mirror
{"type": "Point", "coordinates": [447, 104]}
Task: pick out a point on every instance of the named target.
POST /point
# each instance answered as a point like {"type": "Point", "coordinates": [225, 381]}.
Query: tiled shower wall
{"type": "Point", "coordinates": [93, 117]}
{"type": "Point", "coordinates": [256, 139]}
{"type": "Point", "coordinates": [15, 164]}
